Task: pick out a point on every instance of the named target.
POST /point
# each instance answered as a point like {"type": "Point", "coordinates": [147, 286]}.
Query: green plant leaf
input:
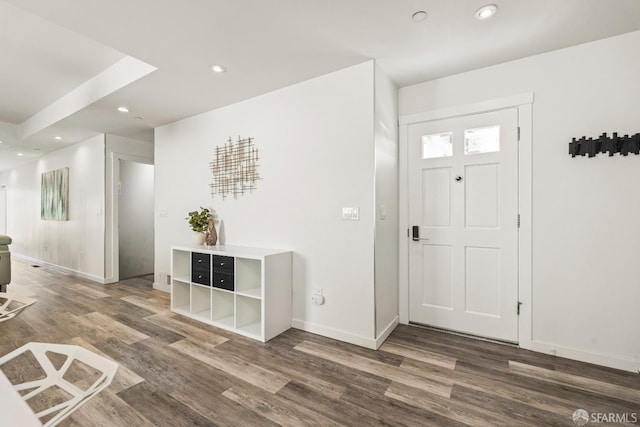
{"type": "Point", "coordinates": [199, 220]}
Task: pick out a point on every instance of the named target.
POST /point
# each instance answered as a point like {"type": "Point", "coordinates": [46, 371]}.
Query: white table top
{"type": "Point", "coordinates": [13, 410]}
{"type": "Point", "coordinates": [237, 251]}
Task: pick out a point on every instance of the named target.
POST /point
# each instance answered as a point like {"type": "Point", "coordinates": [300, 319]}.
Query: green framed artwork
{"type": "Point", "coordinates": [54, 195]}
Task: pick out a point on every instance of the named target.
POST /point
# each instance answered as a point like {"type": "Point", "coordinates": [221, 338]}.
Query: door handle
{"type": "Point", "coordinates": [416, 234]}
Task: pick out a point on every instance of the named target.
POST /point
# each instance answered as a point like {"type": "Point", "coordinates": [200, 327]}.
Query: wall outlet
{"type": "Point", "coordinates": [316, 296]}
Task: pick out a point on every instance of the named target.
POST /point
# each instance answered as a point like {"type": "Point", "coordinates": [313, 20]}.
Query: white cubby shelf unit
{"type": "Point", "coordinates": [241, 289]}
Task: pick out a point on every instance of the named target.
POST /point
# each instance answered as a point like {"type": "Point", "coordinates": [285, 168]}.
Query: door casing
{"type": "Point", "coordinates": [524, 104]}
{"type": "Point", "coordinates": [114, 235]}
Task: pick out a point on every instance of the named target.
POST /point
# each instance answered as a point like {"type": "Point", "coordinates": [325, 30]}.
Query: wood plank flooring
{"type": "Point", "coordinates": [178, 372]}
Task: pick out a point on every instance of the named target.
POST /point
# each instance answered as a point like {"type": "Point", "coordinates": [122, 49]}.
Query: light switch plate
{"type": "Point", "coordinates": [351, 214]}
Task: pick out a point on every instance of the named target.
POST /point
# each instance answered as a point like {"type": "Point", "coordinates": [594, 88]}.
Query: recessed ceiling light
{"type": "Point", "coordinates": [57, 138]}
{"type": "Point", "coordinates": [1, 142]}
{"type": "Point", "coordinates": [419, 16]}
{"type": "Point", "coordinates": [486, 12]}
{"type": "Point", "coordinates": [138, 118]}
{"type": "Point", "coordinates": [123, 109]}
{"type": "Point", "coordinates": [219, 68]}
{"type": "Point", "coordinates": [20, 154]}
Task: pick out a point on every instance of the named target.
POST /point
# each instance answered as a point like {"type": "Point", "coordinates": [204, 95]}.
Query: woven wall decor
{"type": "Point", "coordinates": [234, 168]}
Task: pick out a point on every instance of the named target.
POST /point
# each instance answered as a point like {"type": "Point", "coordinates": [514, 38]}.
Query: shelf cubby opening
{"type": "Point", "coordinates": [181, 265]}
{"type": "Point", "coordinates": [201, 302]}
{"type": "Point", "coordinates": [222, 307]}
{"type": "Point", "coordinates": [249, 277]}
{"type": "Point", "coordinates": [249, 315]}
{"type": "Point", "coordinates": [180, 296]}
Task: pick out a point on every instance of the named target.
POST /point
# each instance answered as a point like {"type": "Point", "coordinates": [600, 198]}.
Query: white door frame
{"type": "Point", "coordinates": [525, 109]}
{"type": "Point", "coordinates": [113, 236]}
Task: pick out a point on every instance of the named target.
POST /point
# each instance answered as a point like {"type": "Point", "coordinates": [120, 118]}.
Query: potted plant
{"type": "Point", "coordinates": [199, 220]}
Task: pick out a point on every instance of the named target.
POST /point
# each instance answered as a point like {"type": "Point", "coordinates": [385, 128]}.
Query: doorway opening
{"type": "Point", "coordinates": [135, 219]}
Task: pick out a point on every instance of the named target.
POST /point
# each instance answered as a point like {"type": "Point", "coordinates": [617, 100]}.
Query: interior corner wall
{"type": "Point", "coordinates": [386, 204]}
{"type": "Point", "coordinates": [76, 245]}
{"type": "Point", "coordinates": [585, 228]}
{"type": "Point", "coordinates": [316, 147]}
{"type": "Point", "coordinates": [118, 147]}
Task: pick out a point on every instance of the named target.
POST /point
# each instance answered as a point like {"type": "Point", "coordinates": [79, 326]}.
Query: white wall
{"type": "Point", "coordinates": [3, 210]}
{"type": "Point", "coordinates": [586, 236]}
{"type": "Point", "coordinates": [316, 156]}
{"type": "Point", "coordinates": [386, 204]}
{"type": "Point", "coordinates": [135, 219]}
{"type": "Point", "coordinates": [78, 244]}
{"type": "Point", "coordinates": [117, 147]}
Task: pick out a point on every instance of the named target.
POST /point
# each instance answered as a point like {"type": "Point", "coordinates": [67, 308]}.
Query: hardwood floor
{"type": "Point", "coordinates": [178, 372]}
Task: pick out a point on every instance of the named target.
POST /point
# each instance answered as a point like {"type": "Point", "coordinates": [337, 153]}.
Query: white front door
{"type": "Point", "coordinates": [463, 208]}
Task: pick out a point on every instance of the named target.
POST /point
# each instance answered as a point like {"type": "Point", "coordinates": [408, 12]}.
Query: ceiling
{"type": "Point", "coordinates": [68, 64]}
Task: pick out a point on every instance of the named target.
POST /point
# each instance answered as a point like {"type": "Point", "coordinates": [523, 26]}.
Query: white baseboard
{"type": "Point", "coordinates": [61, 269]}
{"type": "Point", "coordinates": [616, 362]}
{"type": "Point", "coordinates": [337, 334]}
{"type": "Point", "coordinates": [611, 361]}
{"type": "Point", "coordinates": [387, 331]}
{"type": "Point", "coordinates": [161, 287]}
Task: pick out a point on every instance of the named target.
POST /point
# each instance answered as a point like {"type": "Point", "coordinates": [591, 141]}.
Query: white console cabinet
{"type": "Point", "coordinates": [240, 289]}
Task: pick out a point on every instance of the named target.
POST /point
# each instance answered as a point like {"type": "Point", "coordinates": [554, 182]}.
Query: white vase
{"type": "Point", "coordinates": [198, 237]}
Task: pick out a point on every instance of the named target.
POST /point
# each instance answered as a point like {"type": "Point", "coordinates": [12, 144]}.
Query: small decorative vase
{"type": "Point", "coordinates": [211, 236]}
{"type": "Point", "coordinates": [198, 238]}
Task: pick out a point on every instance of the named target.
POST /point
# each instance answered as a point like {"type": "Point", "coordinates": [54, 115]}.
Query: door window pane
{"type": "Point", "coordinates": [437, 145]}
{"type": "Point", "coordinates": [482, 140]}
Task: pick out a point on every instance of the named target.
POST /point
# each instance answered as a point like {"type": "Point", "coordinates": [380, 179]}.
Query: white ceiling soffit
{"type": "Point", "coordinates": [42, 61]}
{"type": "Point", "coordinates": [115, 77]}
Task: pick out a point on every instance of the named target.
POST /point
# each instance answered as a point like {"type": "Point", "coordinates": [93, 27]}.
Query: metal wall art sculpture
{"type": "Point", "coordinates": [235, 168]}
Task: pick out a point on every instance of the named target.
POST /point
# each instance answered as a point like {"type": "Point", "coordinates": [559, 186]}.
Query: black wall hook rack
{"type": "Point", "coordinates": [604, 144]}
